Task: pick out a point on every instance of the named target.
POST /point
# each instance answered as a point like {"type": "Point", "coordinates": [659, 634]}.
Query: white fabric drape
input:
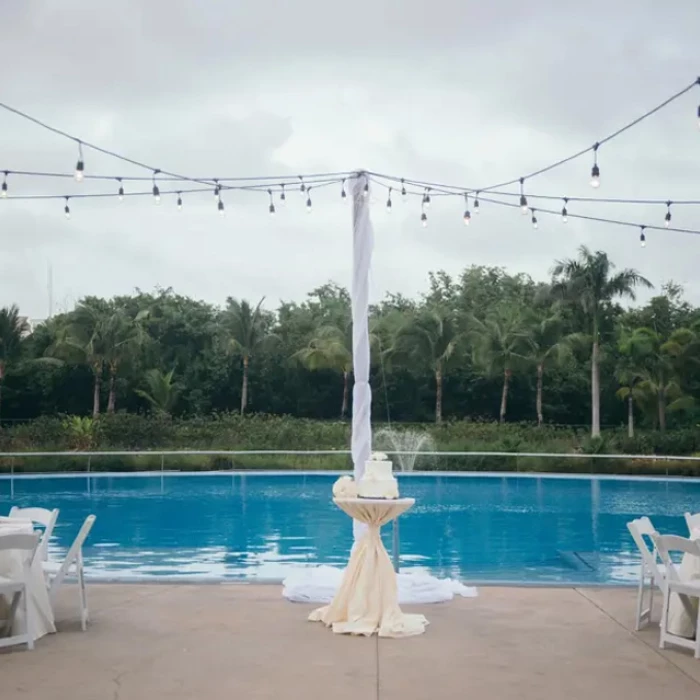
{"type": "Point", "coordinates": [362, 246]}
{"type": "Point", "coordinates": [679, 621]}
{"type": "Point", "coordinates": [367, 600]}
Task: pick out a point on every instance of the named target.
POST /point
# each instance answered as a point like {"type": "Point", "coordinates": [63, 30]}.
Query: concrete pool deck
{"type": "Point", "coordinates": [148, 642]}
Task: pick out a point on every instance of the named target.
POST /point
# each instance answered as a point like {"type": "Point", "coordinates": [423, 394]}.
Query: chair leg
{"type": "Point", "coordinates": [651, 598]}
{"type": "Point", "coordinates": [84, 615]}
{"type": "Point", "coordinates": [28, 618]}
{"type": "Point", "coordinates": [640, 601]}
{"type": "Point", "coordinates": [663, 623]}
{"type": "Point", "coordinates": [697, 633]}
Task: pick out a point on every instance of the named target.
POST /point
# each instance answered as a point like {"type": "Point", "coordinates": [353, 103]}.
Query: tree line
{"type": "Point", "coordinates": [486, 345]}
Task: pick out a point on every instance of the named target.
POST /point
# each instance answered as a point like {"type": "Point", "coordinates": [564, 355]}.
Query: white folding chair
{"type": "Point", "coordinates": [44, 517]}
{"type": "Point", "coordinates": [72, 565]}
{"type": "Point", "coordinates": [18, 587]}
{"type": "Point", "coordinates": [684, 589]}
{"type": "Point", "coordinates": [693, 522]}
{"type": "Point", "coordinates": [651, 574]}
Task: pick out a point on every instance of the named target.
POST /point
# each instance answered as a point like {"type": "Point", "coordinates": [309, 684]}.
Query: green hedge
{"type": "Point", "coordinates": [130, 431]}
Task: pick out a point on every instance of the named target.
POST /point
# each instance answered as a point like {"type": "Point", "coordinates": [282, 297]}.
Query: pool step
{"type": "Point", "coordinates": [581, 561]}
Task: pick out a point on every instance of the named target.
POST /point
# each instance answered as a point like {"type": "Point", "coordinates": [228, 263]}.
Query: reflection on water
{"type": "Point", "coordinates": [257, 526]}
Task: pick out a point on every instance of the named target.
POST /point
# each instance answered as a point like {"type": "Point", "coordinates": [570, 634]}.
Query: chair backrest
{"type": "Point", "coordinates": [21, 542]}
{"type": "Point", "coordinates": [639, 529]}
{"type": "Point", "coordinates": [42, 516]}
{"type": "Point", "coordinates": [75, 553]}
{"type": "Point", "coordinates": [692, 521]}
{"type": "Point", "coordinates": [673, 543]}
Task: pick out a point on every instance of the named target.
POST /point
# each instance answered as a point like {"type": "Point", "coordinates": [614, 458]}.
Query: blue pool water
{"type": "Point", "coordinates": [257, 526]}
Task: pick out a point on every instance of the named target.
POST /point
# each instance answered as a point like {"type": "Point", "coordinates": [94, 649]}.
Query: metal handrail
{"type": "Point", "coordinates": [476, 453]}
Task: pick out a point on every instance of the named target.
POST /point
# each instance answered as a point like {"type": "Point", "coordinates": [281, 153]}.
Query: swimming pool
{"type": "Point", "coordinates": [256, 526]}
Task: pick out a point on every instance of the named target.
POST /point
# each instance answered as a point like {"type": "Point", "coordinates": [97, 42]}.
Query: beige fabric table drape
{"type": "Point", "coordinates": [679, 622]}
{"type": "Point", "coordinates": [367, 600]}
{"type": "Point", "coordinates": [11, 566]}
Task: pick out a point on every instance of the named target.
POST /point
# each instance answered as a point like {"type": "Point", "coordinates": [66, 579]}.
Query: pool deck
{"type": "Point", "coordinates": [148, 642]}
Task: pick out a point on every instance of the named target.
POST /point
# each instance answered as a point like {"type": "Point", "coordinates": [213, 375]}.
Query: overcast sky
{"type": "Point", "coordinates": [447, 91]}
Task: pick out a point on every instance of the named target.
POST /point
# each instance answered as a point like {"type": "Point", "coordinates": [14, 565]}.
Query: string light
{"type": "Point", "coordinates": [80, 165]}
{"type": "Point", "coordinates": [156, 191]}
{"type": "Point", "coordinates": [388, 202]}
{"type": "Point", "coordinates": [467, 216]}
{"type": "Point", "coordinates": [217, 190]}
{"type": "Point", "coordinates": [308, 200]}
{"type": "Point", "coordinates": [220, 206]}
{"type": "Point", "coordinates": [283, 196]}
{"type": "Point", "coordinates": [667, 218]}
{"type": "Point", "coordinates": [272, 204]}
{"type": "Point", "coordinates": [121, 190]}
{"type": "Point", "coordinates": [534, 220]}
{"type": "Point", "coordinates": [564, 211]}
{"type": "Point", "coordinates": [365, 191]}
{"type": "Point", "coordinates": [179, 201]}
{"type": "Point", "coordinates": [66, 209]}
{"type": "Point", "coordinates": [423, 215]}
{"type": "Point", "coordinates": [523, 198]}
{"type": "Point", "coordinates": [595, 170]}
{"type": "Point", "coordinates": [642, 237]}
{"type": "Point", "coordinates": [3, 191]}
{"type": "Point", "coordinates": [403, 190]}
{"type": "Point", "coordinates": [302, 187]}
{"type": "Point", "coordinates": [426, 198]}
{"type": "Point", "coordinates": [477, 210]}
{"type": "Point", "coordinates": [343, 193]}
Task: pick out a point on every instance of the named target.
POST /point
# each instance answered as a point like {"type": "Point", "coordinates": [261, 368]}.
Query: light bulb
{"type": "Point", "coordinates": [403, 190]}
{"type": "Point", "coordinates": [302, 186]}
{"type": "Point", "coordinates": [643, 239]}
{"type": "Point", "coordinates": [424, 219]}
{"type": "Point", "coordinates": [477, 210]}
{"type": "Point", "coordinates": [121, 192]}
{"type": "Point", "coordinates": [179, 202]}
{"type": "Point", "coordinates": [220, 206]}
{"type": "Point", "coordinates": [79, 171]}
{"type": "Point", "coordinates": [343, 193]}
{"type": "Point", "coordinates": [388, 202]}
{"type": "Point", "coordinates": [283, 196]}
{"type": "Point", "coordinates": [272, 209]}
{"type": "Point", "coordinates": [156, 194]}
{"type": "Point", "coordinates": [3, 190]}
{"type": "Point", "coordinates": [467, 217]}
{"type": "Point", "coordinates": [66, 209]}
{"type": "Point", "coordinates": [426, 198]}
{"type": "Point", "coordinates": [667, 218]}
{"type": "Point", "coordinates": [523, 204]}
{"type": "Point", "coordinates": [365, 191]}
{"type": "Point", "coordinates": [564, 212]}
{"type": "Point", "coordinates": [534, 220]}
{"type": "Point", "coordinates": [308, 205]}
{"type": "Point", "coordinates": [595, 176]}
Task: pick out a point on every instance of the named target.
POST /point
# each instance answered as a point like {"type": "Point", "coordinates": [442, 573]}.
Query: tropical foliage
{"type": "Point", "coordinates": [485, 345]}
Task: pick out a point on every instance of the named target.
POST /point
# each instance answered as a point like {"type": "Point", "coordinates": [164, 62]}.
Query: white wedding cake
{"type": "Point", "coordinates": [378, 481]}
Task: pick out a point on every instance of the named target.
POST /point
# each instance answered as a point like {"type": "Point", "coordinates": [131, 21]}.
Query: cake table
{"type": "Point", "coordinates": [367, 600]}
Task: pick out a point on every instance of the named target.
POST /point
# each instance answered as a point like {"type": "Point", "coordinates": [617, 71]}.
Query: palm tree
{"type": "Point", "coordinates": [589, 284]}
{"type": "Point", "coordinates": [330, 348]}
{"type": "Point", "coordinates": [81, 340]}
{"type": "Point", "coordinates": [161, 391]}
{"type": "Point", "coordinates": [122, 336]}
{"type": "Point", "coordinates": [430, 339]}
{"type": "Point", "coordinates": [499, 344]}
{"type": "Point", "coordinates": [627, 372]}
{"type": "Point", "coordinates": [546, 345]}
{"type": "Point", "coordinates": [659, 364]}
{"type": "Point", "coordinates": [12, 326]}
{"type": "Point", "coordinates": [246, 331]}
